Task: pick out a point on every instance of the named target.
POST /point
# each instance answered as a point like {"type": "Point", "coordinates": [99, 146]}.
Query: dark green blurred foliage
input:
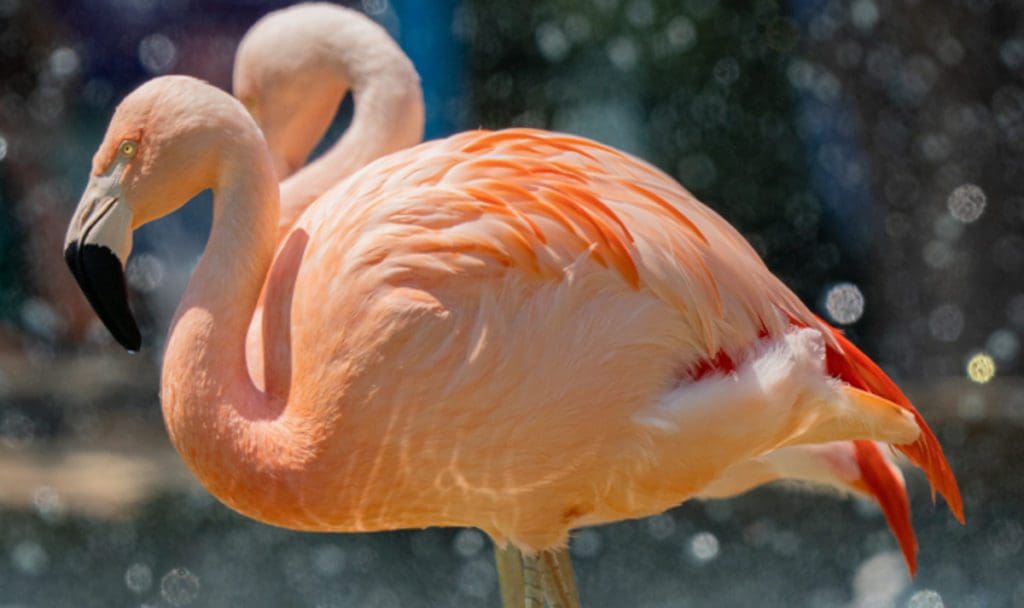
{"type": "Point", "coordinates": [706, 85]}
{"type": "Point", "coordinates": [11, 268]}
{"type": "Point", "coordinates": [20, 54]}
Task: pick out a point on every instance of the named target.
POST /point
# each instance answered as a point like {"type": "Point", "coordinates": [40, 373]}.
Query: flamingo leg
{"type": "Point", "coordinates": [559, 582]}
{"type": "Point", "coordinates": [527, 581]}
{"type": "Point", "coordinates": [533, 584]}
{"type": "Point", "coordinates": [509, 563]}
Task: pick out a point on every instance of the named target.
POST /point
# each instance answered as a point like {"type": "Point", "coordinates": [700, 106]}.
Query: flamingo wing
{"type": "Point", "coordinates": [536, 201]}
{"type": "Point", "coordinates": [654, 295]}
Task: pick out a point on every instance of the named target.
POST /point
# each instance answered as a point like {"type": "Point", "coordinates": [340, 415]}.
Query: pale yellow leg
{"type": "Point", "coordinates": [526, 581]}
{"type": "Point", "coordinates": [559, 582]}
{"type": "Point", "coordinates": [509, 562]}
{"type": "Point", "coordinates": [533, 583]}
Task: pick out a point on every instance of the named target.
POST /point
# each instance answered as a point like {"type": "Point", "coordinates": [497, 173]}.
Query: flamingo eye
{"type": "Point", "coordinates": [128, 148]}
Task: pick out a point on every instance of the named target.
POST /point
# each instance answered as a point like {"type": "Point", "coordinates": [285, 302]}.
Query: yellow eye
{"type": "Point", "coordinates": [128, 148]}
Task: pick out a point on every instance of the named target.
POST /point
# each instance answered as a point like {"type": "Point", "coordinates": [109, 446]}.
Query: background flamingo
{"type": "Point", "coordinates": [520, 331]}
{"type": "Point", "coordinates": [293, 68]}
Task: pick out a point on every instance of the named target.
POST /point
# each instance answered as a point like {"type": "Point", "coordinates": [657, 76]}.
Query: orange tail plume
{"type": "Point", "coordinates": [879, 479]}
{"type": "Point", "coordinates": [855, 368]}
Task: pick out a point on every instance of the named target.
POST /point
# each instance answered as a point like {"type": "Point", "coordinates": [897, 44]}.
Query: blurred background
{"type": "Point", "coordinates": [872, 151]}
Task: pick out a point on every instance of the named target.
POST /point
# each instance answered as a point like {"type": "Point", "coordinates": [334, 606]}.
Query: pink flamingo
{"type": "Point", "coordinates": [520, 331]}
{"type": "Point", "coordinates": [292, 69]}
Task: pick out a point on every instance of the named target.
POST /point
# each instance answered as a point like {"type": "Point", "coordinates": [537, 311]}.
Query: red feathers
{"type": "Point", "coordinates": [878, 478]}
{"type": "Point", "coordinates": [855, 368]}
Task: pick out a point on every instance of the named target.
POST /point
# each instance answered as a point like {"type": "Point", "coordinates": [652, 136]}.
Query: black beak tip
{"type": "Point", "coordinates": [100, 274]}
{"type": "Point", "coordinates": [131, 343]}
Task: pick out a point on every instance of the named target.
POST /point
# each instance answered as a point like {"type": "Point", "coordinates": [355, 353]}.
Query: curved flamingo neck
{"type": "Point", "coordinates": [389, 111]}
{"type": "Point", "coordinates": [229, 433]}
{"type": "Point", "coordinates": [229, 276]}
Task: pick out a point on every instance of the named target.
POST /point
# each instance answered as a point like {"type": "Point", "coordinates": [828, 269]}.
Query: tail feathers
{"type": "Point", "coordinates": [856, 369]}
{"type": "Point", "coordinates": [881, 479]}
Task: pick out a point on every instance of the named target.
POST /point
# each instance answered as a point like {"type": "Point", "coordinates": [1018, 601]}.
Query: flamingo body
{"type": "Point", "coordinates": [521, 312]}
{"type": "Point", "coordinates": [520, 331]}
{"type": "Point", "coordinates": [292, 68]}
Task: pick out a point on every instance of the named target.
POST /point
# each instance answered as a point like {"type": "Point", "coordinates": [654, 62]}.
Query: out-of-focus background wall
{"type": "Point", "coordinates": [872, 151]}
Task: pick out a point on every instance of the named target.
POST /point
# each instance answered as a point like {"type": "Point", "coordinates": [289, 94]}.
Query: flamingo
{"type": "Point", "coordinates": [292, 69]}
{"type": "Point", "coordinates": [520, 331]}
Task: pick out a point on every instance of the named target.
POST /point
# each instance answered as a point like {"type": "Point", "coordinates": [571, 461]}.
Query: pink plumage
{"type": "Point", "coordinates": [520, 331]}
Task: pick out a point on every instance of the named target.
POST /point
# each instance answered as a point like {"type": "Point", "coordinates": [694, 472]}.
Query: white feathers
{"type": "Point", "coordinates": [777, 373]}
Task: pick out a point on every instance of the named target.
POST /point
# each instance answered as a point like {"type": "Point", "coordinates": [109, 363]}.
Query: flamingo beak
{"type": "Point", "coordinates": [98, 242]}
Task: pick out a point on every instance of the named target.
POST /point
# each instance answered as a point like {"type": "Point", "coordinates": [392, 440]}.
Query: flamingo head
{"type": "Point", "coordinates": [173, 121]}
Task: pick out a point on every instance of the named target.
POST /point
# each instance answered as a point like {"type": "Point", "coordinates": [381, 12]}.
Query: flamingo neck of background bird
{"type": "Point", "coordinates": [389, 109]}
{"type": "Point", "coordinates": [385, 120]}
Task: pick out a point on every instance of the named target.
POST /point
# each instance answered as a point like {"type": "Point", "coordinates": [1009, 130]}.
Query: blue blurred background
{"type": "Point", "coordinates": [872, 151]}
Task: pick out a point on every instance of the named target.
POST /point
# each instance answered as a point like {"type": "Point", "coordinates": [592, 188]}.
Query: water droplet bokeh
{"type": "Point", "coordinates": [704, 547]}
{"type": "Point", "coordinates": [879, 580]}
{"type": "Point", "coordinates": [29, 558]}
{"type": "Point", "coordinates": [64, 62]}
{"type": "Point", "coordinates": [138, 578]}
{"type": "Point", "coordinates": [552, 42]}
{"type": "Point", "coordinates": [1004, 344]}
{"type": "Point", "coordinates": [375, 8]}
{"type": "Point", "coordinates": [864, 14]}
{"type": "Point", "coordinates": [179, 587]}
{"type": "Point", "coordinates": [623, 53]}
{"type": "Point", "coordinates": [844, 303]}
{"type": "Point", "coordinates": [661, 527]}
{"type": "Point", "coordinates": [925, 599]}
{"type": "Point", "coordinates": [469, 542]}
{"type": "Point", "coordinates": [145, 272]}
{"type": "Point", "coordinates": [681, 33]}
{"type": "Point", "coordinates": [157, 53]}
{"type": "Point", "coordinates": [966, 203]}
{"type": "Point", "coordinates": [981, 368]}
{"type": "Point", "coordinates": [48, 504]}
